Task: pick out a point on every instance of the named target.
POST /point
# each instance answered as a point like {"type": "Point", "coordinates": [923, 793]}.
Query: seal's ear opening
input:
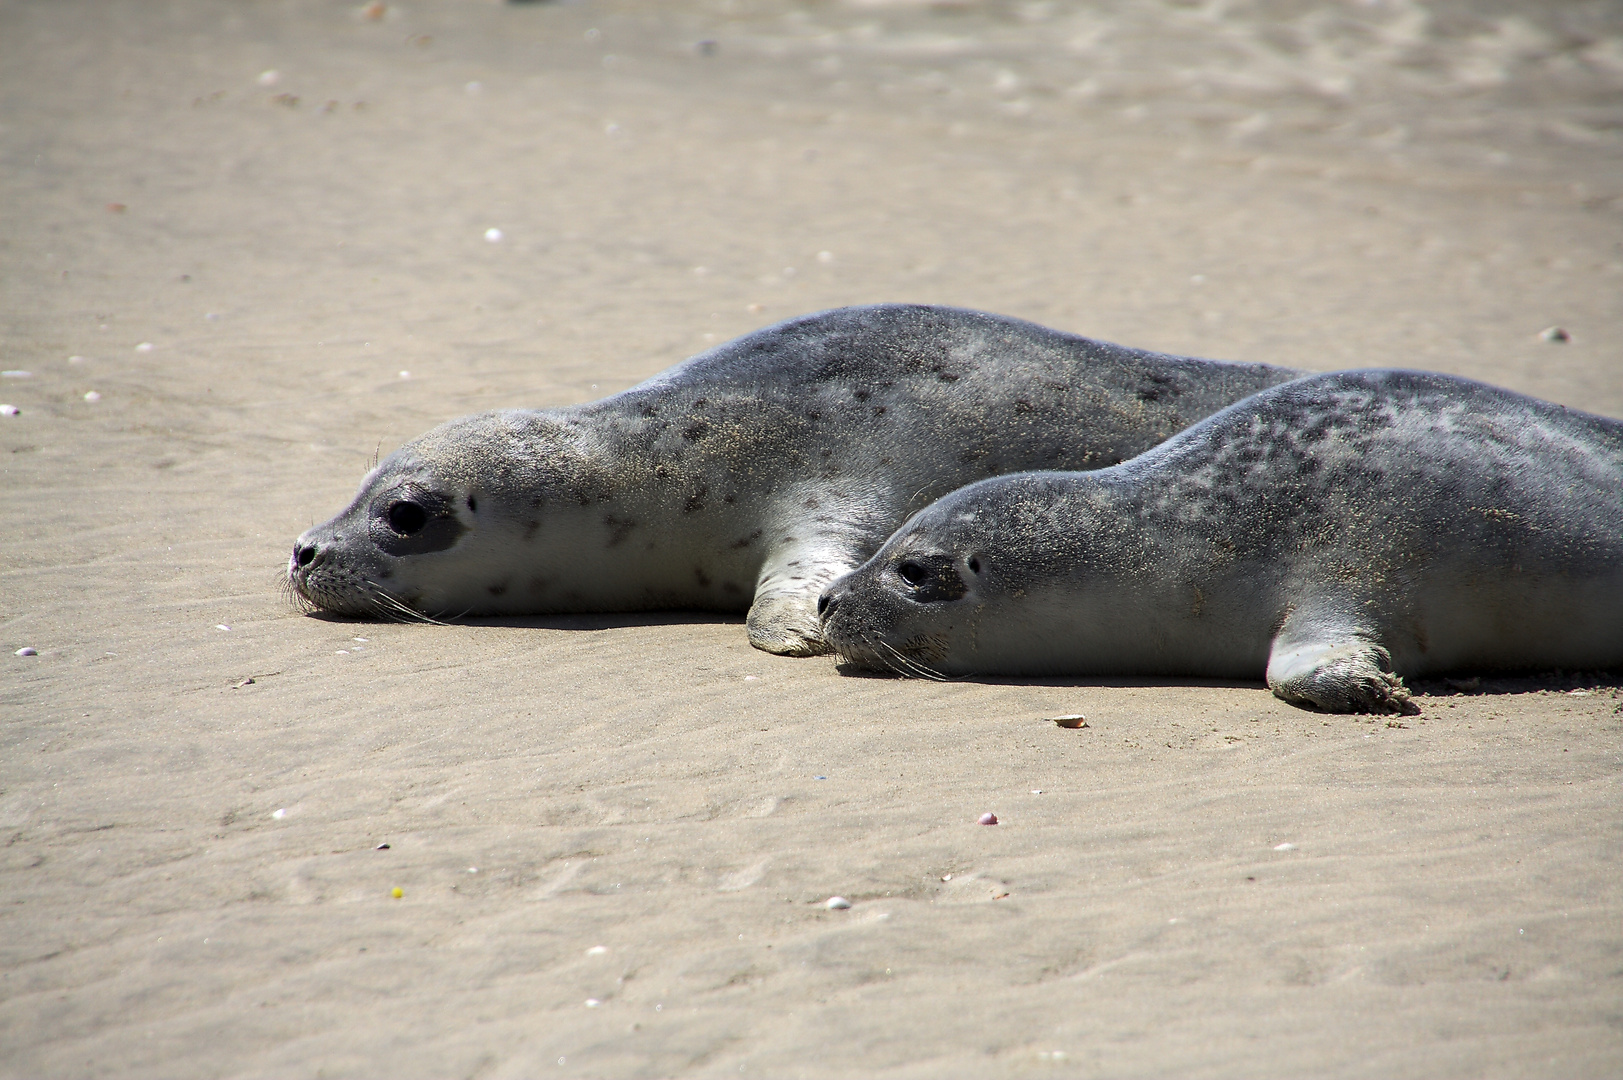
{"type": "Point", "coordinates": [930, 579]}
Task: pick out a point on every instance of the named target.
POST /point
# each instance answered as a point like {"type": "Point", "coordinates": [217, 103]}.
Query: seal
{"type": "Point", "coordinates": [1333, 535]}
{"type": "Point", "coordinates": [747, 477]}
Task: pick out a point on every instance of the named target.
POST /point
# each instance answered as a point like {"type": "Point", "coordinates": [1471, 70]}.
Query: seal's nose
{"type": "Point", "coordinates": [826, 603]}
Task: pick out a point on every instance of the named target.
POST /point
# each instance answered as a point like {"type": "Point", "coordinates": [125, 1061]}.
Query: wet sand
{"type": "Point", "coordinates": [257, 232]}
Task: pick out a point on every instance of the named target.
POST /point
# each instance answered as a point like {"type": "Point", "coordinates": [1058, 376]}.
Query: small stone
{"type": "Point", "coordinates": [837, 903]}
{"type": "Point", "coordinates": [397, 892]}
{"type": "Point", "coordinates": [10, 410]}
{"type": "Point", "coordinates": [91, 395]}
{"type": "Point", "coordinates": [1069, 720]}
{"type": "Point", "coordinates": [279, 814]}
{"type": "Point", "coordinates": [597, 950]}
{"type": "Point", "coordinates": [145, 346]}
{"type": "Point", "coordinates": [1555, 335]}
{"type": "Point", "coordinates": [592, 1003]}
{"type": "Point", "coordinates": [1285, 847]}
{"type": "Point", "coordinates": [270, 77]}
{"type": "Point", "coordinates": [27, 650]}
{"type": "Point", "coordinates": [987, 818]}
{"type": "Point", "coordinates": [381, 847]}
{"type": "Point", "coordinates": [405, 374]}
{"type": "Point", "coordinates": [221, 626]}
{"type": "Point", "coordinates": [493, 235]}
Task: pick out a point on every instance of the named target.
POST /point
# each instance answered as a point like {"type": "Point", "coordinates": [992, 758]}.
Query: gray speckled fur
{"type": "Point", "coordinates": [1333, 534]}
{"type": "Point", "coordinates": [750, 476]}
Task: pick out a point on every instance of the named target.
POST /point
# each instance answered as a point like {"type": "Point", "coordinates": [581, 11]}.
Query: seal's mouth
{"type": "Point", "coordinates": [315, 582]}
{"type": "Point", "coordinates": [869, 651]}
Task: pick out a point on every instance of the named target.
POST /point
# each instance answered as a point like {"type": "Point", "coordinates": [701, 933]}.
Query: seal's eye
{"type": "Point", "coordinates": [407, 518]}
{"type": "Point", "coordinates": [912, 573]}
{"type": "Point", "coordinates": [931, 578]}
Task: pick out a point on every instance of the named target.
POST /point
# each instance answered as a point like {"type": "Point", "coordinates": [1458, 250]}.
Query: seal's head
{"type": "Point", "coordinates": [913, 607]}
{"type": "Point", "coordinates": [994, 577]}
{"type": "Point", "coordinates": [437, 527]}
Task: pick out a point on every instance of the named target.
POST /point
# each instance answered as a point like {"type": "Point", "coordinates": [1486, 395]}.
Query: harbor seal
{"type": "Point", "coordinates": [1333, 535]}
{"type": "Point", "coordinates": [747, 477]}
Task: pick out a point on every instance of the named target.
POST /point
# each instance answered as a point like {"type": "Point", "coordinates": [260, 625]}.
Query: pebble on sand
{"type": "Point", "coordinates": [1556, 335]}
{"type": "Point", "coordinates": [1287, 846]}
{"type": "Point", "coordinates": [397, 892]}
{"type": "Point", "coordinates": [1069, 720]}
{"type": "Point", "coordinates": [27, 650]}
{"type": "Point", "coordinates": [279, 814]}
{"type": "Point", "coordinates": [145, 346]}
{"type": "Point", "coordinates": [988, 818]}
{"type": "Point", "coordinates": [91, 395]}
{"type": "Point", "coordinates": [493, 235]}
{"type": "Point", "coordinates": [597, 950]}
{"type": "Point", "coordinates": [837, 903]}
{"type": "Point", "coordinates": [10, 410]}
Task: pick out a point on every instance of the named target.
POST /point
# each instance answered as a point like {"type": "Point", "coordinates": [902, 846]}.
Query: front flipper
{"type": "Point", "coordinates": [1329, 662]}
{"type": "Point", "coordinates": [783, 619]}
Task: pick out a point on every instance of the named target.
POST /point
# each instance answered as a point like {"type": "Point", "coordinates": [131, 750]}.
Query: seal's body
{"type": "Point", "coordinates": [1332, 534]}
{"type": "Point", "coordinates": [747, 477]}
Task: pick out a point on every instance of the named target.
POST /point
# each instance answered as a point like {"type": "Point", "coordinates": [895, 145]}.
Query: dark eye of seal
{"type": "Point", "coordinates": [407, 518]}
{"type": "Point", "coordinates": [912, 573]}
{"type": "Point", "coordinates": [931, 579]}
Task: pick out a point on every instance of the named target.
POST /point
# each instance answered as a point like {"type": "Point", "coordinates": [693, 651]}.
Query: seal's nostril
{"type": "Point", "coordinates": [826, 605]}
{"type": "Point", "coordinates": [304, 556]}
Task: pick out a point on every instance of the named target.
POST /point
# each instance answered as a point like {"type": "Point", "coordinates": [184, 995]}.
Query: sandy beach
{"type": "Point", "coordinates": [247, 247]}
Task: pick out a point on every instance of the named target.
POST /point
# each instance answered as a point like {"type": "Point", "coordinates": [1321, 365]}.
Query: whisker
{"type": "Point", "coordinates": [909, 666]}
{"type": "Point", "coordinates": [401, 612]}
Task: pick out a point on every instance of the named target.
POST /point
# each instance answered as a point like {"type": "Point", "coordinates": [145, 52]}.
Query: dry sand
{"type": "Point", "coordinates": [642, 812]}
